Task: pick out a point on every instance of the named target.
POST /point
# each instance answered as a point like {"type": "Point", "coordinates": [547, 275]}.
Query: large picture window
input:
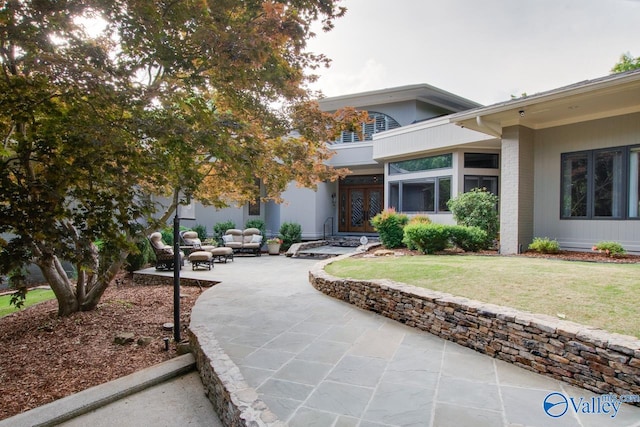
{"type": "Point", "coordinates": [427, 195]}
{"type": "Point", "coordinates": [593, 184]}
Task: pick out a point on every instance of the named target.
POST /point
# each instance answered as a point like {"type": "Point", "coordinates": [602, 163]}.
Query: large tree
{"type": "Point", "coordinates": [106, 102]}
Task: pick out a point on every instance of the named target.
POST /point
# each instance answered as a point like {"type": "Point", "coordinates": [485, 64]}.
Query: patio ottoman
{"type": "Point", "coordinates": [199, 258]}
{"type": "Point", "coordinates": [222, 253]}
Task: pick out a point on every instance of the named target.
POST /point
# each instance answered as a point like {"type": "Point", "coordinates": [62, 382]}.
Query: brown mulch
{"type": "Point", "coordinates": [44, 358]}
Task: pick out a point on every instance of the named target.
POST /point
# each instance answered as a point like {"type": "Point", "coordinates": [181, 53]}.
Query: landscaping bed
{"type": "Point", "coordinates": [44, 357]}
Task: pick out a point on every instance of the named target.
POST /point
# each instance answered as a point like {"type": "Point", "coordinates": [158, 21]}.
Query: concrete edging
{"type": "Point", "coordinates": [96, 397]}
{"type": "Point", "coordinates": [583, 356]}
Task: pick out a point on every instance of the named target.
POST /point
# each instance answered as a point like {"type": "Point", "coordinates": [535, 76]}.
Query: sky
{"type": "Point", "coordinates": [482, 50]}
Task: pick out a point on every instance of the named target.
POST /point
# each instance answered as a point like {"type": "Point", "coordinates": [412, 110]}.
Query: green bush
{"type": "Point", "coordinates": [612, 249]}
{"type": "Point", "coordinates": [390, 226]}
{"type": "Point", "coordinates": [167, 234]}
{"type": "Point", "coordinates": [291, 232]}
{"type": "Point", "coordinates": [140, 258]}
{"type": "Point", "coordinates": [469, 239]}
{"type": "Point", "coordinates": [477, 208]}
{"type": "Point", "coordinates": [220, 228]}
{"type": "Point", "coordinates": [420, 219]}
{"type": "Point", "coordinates": [201, 230]}
{"type": "Point", "coordinates": [427, 238]}
{"type": "Point", "coordinates": [544, 245]}
{"type": "Point", "coordinates": [257, 223]}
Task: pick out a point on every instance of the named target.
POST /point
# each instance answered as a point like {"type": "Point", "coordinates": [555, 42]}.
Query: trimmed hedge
{"type": "Point", "coordinates": [432, 238]}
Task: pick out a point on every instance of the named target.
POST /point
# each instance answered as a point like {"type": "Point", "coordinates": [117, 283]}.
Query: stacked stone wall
{"type": "Point", "coordinates": [235, 402]}
{"type": "Point", "coordinates": [156, 280]}
{"type": "Point", "coordinates": [582, 356]}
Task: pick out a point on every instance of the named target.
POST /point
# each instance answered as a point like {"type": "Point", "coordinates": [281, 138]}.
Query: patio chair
{"type": "Point", "coordinates": [164, 253]}
{"type": "Point", "coordinates": [192, 242]}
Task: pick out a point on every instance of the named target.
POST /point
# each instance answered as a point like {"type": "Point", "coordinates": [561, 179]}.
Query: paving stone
{"type": "Point", "coordinates": [342, 399]}
{"type": "Point", "coordinates": [303, 371]}
{"type": "Point", "coordinates": [306, 417]}
{"type": "Point", "coordinates": [465, 393]}
{"type": "Point", "coordinates": [399, 404]}
{"type": "Point", "coordinates": [362, 371]}
{"type": "Point", "coordinates": [285, 389]}
{"type": "Point", "coordinates": [324, 351]}
{"type": "Point", "coordinates": [455, 416]}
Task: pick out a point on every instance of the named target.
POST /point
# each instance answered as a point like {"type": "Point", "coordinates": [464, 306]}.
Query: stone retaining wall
{"type": "Point", "coordinates": [583, 356]}
{"type": "Point", "coordinates": [235, 402]}
{"type": "Point", "coordinates": [155, 280]}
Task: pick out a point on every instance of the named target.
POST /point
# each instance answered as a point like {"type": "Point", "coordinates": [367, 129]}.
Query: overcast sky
{"type": "Point", "coordinates": [483, 50]}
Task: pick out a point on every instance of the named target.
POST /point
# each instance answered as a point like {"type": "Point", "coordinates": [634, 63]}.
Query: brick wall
{"type": "Point", "coordinates": [585, 357]}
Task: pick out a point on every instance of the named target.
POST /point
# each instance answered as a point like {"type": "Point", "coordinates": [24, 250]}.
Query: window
{"type": "Point", "coordinates": [634, 183]}
{"type": "Point", "coordinates": [422, 164]}
{"type": "Point", "coordinates": [593, 184]}
{"type": "Point", "coordinates": [380, 122]}
{"type": "Point", "coordinates": [475, 181]}
{"type": "Point", "coordinates": [481, 161]}
{"type": "Point", "coordinates": [254, 206]}
{"type": "Point", "coordinates": [428, 195]}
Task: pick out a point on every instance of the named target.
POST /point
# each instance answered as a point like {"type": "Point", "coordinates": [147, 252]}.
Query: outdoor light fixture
{"type": "Point", "coordinates": [185, 209]}
{"type": "Point", "coordinates": [333, 199]}
{"type": "Point", "coordinates": [521, 112]}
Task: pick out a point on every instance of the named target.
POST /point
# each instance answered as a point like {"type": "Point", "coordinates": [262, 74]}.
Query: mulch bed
{"type": "Point", "coordinates": [44, 358]}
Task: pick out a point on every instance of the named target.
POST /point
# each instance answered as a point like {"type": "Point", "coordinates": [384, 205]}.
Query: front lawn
{"type": "Point", "coordinates": [34, 296]}
{"type": "Point", "coordinates": [597, 294]}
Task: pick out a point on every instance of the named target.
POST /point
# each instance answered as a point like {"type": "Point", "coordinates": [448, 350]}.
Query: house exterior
{"type": "Point", "coordinates": [565, 164]}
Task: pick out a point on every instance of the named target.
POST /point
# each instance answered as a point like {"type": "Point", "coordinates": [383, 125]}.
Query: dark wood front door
{"type": "Point", "coordinates": [358, 206]}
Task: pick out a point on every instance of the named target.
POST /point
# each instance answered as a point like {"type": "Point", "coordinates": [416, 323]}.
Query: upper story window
{"type": "Point", "coordinates": [442, 161]}
{"type": "Point", "coordinates": [380, 123]}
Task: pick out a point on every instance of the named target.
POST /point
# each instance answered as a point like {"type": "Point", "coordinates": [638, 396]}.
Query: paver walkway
{"type": "Point", "coordinates": [317, 361]}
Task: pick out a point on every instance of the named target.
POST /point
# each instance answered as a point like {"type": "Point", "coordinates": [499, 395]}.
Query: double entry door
{"type": "Point", "coordinates": [358, 206]}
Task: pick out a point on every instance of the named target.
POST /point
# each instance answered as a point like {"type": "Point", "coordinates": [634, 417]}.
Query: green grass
{"type": "Point", "coordinates": [597, 294]}
{"type": "Point", "coordinates": [33, 297]}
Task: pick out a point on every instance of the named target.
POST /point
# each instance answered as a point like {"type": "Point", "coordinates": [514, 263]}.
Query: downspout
{"type": "Point", "coordinates": [490, 128]}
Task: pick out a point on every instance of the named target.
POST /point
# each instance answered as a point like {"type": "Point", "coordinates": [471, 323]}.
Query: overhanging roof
{"type": "Point", "coordinates": [421, 92]}
{"type": "Point", "coordinates": [608, 96]}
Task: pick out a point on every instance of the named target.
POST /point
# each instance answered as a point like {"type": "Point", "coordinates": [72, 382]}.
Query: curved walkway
{"type": "Point", "coordinates": [317, 361]}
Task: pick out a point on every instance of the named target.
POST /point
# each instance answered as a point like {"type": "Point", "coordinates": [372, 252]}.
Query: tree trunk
{"type": "Point", "coordinates": [60, 284]}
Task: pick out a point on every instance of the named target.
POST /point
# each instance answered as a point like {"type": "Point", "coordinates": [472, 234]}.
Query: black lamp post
{"type": "Point", "coordinates": [176, 277]}
{"type": "Point", "coordinates": [177, 262]}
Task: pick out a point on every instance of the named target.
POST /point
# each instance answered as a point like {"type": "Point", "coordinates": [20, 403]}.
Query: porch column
{"type": "Point", "coordinates": [516, 193]}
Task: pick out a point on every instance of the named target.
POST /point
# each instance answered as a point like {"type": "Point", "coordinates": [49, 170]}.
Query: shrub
{"type": "Point", "coordinates": [469, 239]}
{"type": "Point", "coordinates": [201, 230]}
{"type": "Point", "coordinates": [544, 245]}
{"type": "Point", "coordinates": [167, 234]}
{"type": "Point", "coordinates": [291, 233]}
{"type": "Point", "coordinates": [420, 219]}
{"type": "Point", "coordinates": [390, 226]}
{"type": "Point", "coordinates": [220, 228]}
{"type": "Point", "coordinates": [477, 208]}
{"type": "Point", "coordinates": [257, 223]}
{"type": "Point", "coordinates": [612, 249]}
{"type": "Point", "coordinates": [137, 260]}
{"type": "Point", "coordinates": [427, 238]}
